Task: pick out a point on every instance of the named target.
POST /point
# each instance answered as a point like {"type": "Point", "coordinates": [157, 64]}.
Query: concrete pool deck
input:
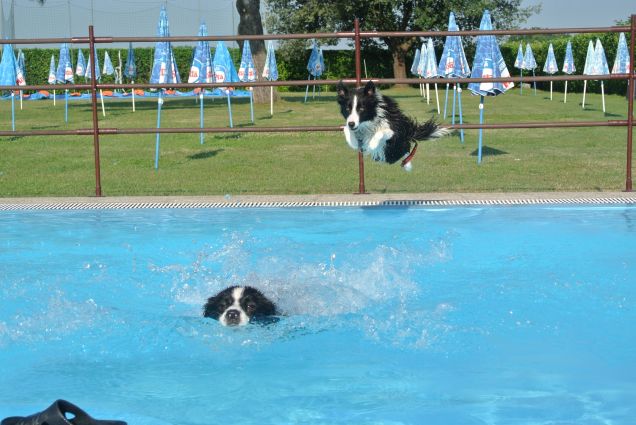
{"type": "Point", "coordinates": [324, 200]}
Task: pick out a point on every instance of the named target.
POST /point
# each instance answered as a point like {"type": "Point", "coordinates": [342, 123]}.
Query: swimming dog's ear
{"type": "Point", "coordinates": [369, 89]}
{"type": "Point", "coordinates": [342, 91]}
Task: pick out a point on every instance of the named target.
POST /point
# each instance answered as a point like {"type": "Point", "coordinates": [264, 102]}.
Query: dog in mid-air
{"type": "Point", "coordinates": [376, 125]}
{"type": "Point", "coordinates": [240, 305]}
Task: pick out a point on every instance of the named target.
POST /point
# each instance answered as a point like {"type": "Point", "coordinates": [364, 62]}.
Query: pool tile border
{"type": "Point", "coordinates": [299, 201]}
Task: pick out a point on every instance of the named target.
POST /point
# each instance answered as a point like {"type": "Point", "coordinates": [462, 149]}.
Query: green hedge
{"type": "Point", "coordinates": [340, 63]}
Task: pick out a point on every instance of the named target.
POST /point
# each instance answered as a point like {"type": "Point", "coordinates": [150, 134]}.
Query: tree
{"type": "Point", "coordinates": [302, 16]}
{"type": "Point", "coordinates": [250, 23]}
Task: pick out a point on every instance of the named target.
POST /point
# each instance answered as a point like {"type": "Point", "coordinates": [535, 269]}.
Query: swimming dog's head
{"type": "Point", "coordinates": [238, 305]}
{"type": "Point", "coordinates": [358, 105]}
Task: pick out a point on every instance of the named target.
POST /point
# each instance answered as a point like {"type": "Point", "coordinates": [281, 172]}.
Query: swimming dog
{"type": "Point", "coordinates": [240, 305]}
{"type": "Point", "coordinates": [376, 125]}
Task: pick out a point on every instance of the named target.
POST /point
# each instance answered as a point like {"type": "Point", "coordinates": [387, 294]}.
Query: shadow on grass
{"type": "Point", "coordinates": [205, 154]}
{"type": "Point", "coordinates": [488, 151]}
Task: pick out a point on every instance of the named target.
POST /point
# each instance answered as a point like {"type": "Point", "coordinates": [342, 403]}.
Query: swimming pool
{"type": "Point", "coordinates": [406, 315]}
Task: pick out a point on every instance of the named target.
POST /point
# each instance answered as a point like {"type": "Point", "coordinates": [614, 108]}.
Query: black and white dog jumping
{"type": "Point", "coordinates": [375, 125]}
{"type": "Point", "coordinates": [240, 305]}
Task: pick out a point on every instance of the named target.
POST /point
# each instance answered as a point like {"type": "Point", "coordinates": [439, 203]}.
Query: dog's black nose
{"type": "Point", "coordinates": [233, 317]}
{"type": "Point", "coordinates": [351, 124]}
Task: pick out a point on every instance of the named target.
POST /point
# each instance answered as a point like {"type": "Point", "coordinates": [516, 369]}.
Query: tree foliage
{"type": "Point", "coordinates": [303, 16]}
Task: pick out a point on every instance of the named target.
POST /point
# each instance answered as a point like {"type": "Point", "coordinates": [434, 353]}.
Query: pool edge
{"type": "Point", "coordinates": [330, 200]}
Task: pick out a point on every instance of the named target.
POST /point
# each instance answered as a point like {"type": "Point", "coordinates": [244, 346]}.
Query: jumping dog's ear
{"type": "Point", "coordinates": [369, 89]}
{"type": "Point", "coordinates": [342, 91]}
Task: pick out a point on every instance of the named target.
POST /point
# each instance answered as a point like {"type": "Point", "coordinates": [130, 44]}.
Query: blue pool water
{"type": "Point", "coordinates": [450, 316]}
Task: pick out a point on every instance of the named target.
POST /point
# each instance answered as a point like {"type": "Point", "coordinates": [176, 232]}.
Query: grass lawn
{"type": "Point", "coordinates": [575, 159]}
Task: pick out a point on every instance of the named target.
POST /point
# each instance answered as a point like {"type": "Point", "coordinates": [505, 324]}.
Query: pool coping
{"type": "Point", "coordinates": [318, 200]}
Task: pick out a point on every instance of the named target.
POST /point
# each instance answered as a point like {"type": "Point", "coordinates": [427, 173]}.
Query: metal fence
{"type": "Point", "coordinates": [356, 35]}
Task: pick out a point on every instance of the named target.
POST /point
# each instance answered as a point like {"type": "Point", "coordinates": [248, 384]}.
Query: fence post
{"type": "Point", "coordinates": [630, 107]}
{"type": "Point", "coordinates": [356, 25]}
{"type": "Point", "coordinates": [98, 182]}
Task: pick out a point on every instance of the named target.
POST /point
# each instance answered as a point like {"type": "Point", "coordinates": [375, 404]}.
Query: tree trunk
{"type": "Point", "coordinates": [250, 24]}
{"type": "Point", "coordinates": [399, 65]}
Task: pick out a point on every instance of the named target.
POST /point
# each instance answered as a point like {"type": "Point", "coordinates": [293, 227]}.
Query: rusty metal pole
{"type": "Point", "coordinates": [630, 108]}
{"type": "Point", "coordinates": [98, 179]}
{"type": "Point", "coordinates": [356, 24]}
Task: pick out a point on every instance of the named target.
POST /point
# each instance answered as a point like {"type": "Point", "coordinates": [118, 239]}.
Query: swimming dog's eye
{"type": "Point", "coordinates": [251, 307]}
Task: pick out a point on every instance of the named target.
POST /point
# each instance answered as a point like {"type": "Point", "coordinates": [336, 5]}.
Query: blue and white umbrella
{"type": "Point", "coordinates": [529, 63]}
{"type": "Point", "coordinates": [595, 64]}
{"type": "Point", "coordinates": [568, 67]}
{"type": "Point", "coordinates": [64, 73]}
{"type": "Point", "coordinates": [20, 71]}
{"type": "Point", "coordinates": [130, 70]}
{"type": "Point", "coordinates": [416, 62]}
{"type": "Point", "coordinates": [489, 63]}
{"type": "Point", "coordinates": [420, 68]}
{"type": "Point", "coordinates": [270, 72]}
{"type": "Point", "coordinates": [98, 72]}
{"type": "Point", "coordinates": [550, 67]}
{"type": "Point", "coordinates": [8, 76]}
{"type": "Point", "coordinates": [164, 68]}
{"type": "Point", "coordinates": [453, 64]}
{"type": "Point", "coordinates": [621, 63]}
{"type": "Point", "coordinates": [315, 66]}
{"type": "Point", "coordinates": [201, 69]}
{"type": "Point", "coordinates": [108, 69]}
{"type": "Point", "coordinates": [51, 79]}
{"type": "Point", "coordinates": [247, 70]}
{"type": "Point", "coordinates": [224, 71]}
{"type": "Point", "coordinates": [430, 68]}
{"type": "Point", "coordinates": [519, 64]}
{"type": "Point", "coordinates": [80, 68]}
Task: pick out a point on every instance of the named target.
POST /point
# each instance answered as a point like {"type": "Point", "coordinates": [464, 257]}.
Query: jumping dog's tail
{"type": "Point", "coordinates": [429, 130]}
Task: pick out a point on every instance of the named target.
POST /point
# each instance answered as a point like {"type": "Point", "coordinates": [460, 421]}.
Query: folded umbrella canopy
{"type": "Point", "coordinates": [621, 63]}
{"type": "Point", "coordinates": [550, 66]}
{"type": "Point", "coordinates": [224, 72]}
{"type": "Point", "coordinates": [247, 72]}
{"type": "Point", "coordinates": [164, 69]}
{"type": "Point", "coordinates": [453, 64]}
{"type": "Point", "coordinates": [20, 71]}
{"type": "Point", "coordinates": [430, 68]}
{"type": "Point", "coordinates": [489, 63]}
{"type": "Point", "coordinates": [130, 70]}
{"type": "Point", "coordinates": [201, 68]}
{"type": "Point", "coordinates": [519, 65]}
{"type": "Point", "coordinates": [270, 72]}
{"type": "Point", "coordinates": [51, 79]}
{"type": "Point", "coordinates": [568, 67]}
{"type": "Point", "coordinates": [315, 66]}
{"type": "Point", "coordinates": [530, 64]}
{"type": "Point", "coordinates": [8, 76]}
{"type": "Point", "coordinates": [64, 73]}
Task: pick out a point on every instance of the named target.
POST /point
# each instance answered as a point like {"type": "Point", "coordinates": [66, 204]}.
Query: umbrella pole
{"type": "Point", "coordinates": [603, 95]}
{"type": "Point", "coordinates": [271, 100]}
{"type": "Point", "coordinates": [12, 110]}
{"type": "Point", "coordinates": [550, 90]}
{"type": "Point", "coordinates": [66, 106]}
{"type": "Point", "coordinates": [101, 94]}
{"type": "Point", "coordinates": [159, 103]}
{"type": "Point", "coordinates": [53, 97]}
{"type": "Point", "coordinates": [251, 105]}
{"type": "Point", "coordinates": [481, 130]}
{"type": "Point", "coordinates": [446, 101]}
{"type": "Point", "coordinates": [565, 95]}
{"type": "Point", "coordinates": [454, 100]}
{"type": "Point", "coordinates": [428, 94]}
{"type": "Point", "coordinates": [521, 81]}
{"type": "Point", "coordinates": [535, 83]}
{"type": "Point", "coordinates": [20, 99]}
{"type": "Point", "coordinates": [133, 96]}
{"type": "Point", "coordinates": [307, 89]}
{"type": "Point", "coordinates": [201, 114]}
{"type": "Point", "coordinates": [437, 98]}
{"type": "Point", "coordinates": [584, 90]}
{"type": "Point", "coordinates": [229, 108]}
{"type": "Point", "coordinates": [461, 116]}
